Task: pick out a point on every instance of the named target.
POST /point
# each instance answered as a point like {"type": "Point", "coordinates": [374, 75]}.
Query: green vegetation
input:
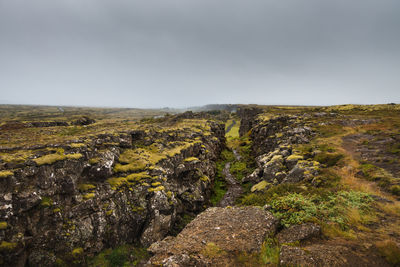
{"type": "Point", "coordinates": [390, 250]}
{"type": "Point", "coordinates": [234, 131]}
{"type": "Point", "coordinates": [59, 155]}
{"type": "Point", "coordinates": [329, 159]}
{"type": "Point", "coordinates": [77, 252]}
{"type": "Point", "coordinates": [270, 251]}
{"type": "Point", "coordinates": [126, 255]}
{"type": "Point", "coordinates": [7, 246]}
{"type": "Point", "coordinates": [211, 250]}
{"type": "Point", "coordinates": [4, 174]}
{"type": "Point", "coordinates": [86, 187]}
{"type": "Point", "coordinates": [158, 188]}
{"type": "Point", "coordinates": [46, 202]}
{"type": "Point", "coordinates": [88, 196]}
{"type": "Point", "coordinates": [190, 159]}
{"type": "Point", "coordinates": [3, 225]}
{"type": "Point", "coordinates": [239, 169]}
{"type": "Point", "coordinates": [383, 178]}
{"type": "Point", "coordinates": [219, 188]}
{"type": "Point", "coordinates": [296, 208]}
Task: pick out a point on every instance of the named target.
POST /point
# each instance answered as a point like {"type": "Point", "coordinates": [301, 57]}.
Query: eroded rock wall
{"type": "Point", "coordinates": [63, 211]}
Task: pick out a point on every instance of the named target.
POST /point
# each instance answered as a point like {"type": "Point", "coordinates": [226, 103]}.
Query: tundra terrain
{"type": "Point", "coordinates": [228, 185]}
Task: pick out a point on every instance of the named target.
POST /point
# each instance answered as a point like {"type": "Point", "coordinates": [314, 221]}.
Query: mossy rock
{"type": "Point", "coordinates": [260, 186]}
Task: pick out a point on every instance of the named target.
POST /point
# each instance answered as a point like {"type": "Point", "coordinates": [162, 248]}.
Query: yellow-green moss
{"type": "Point", "coordinates": [4, 174]}
{"type": "Point", "coordinates": [294, 157]}
{"type": "Point", "coordinates": [205, 178]}
{"type": "Point", "coordinates": [3, 225]}
{"type": "Point", "coordinates": [86, 187]}
{"type": "Point", "coordinates": [159, 188]}
{"type": "Point", "coordinates": [76, 252]}
{"type": "Point", "coordinates": [169, 194]}
{"type": "Point", "coordinates": [116, 182]}
{"type": "Point", "coordinates": [190, 159]}
{"type": "Point", "coordinates": [56, 210]}
{"type": "Point", "coordinates": [260, 186]}
{"type": "Point", "coordinates": [94, 160]}
{"type": "Point", "coordinates": [109, 212]}
{"type": "Point", "coordinates": [155, 184]}
{"type": "Point", "coordinates": [88, 196]}
{"type": "Point", "coordinates": [136, 177]}
{"type": "Point", "coordinates": [51, 158]}
{"type": "Point", "coordinates": [7, 246]}
{"type": "Point", "coordinates": [46, 202]}
{"type": "Point", "coordinates": [77, 145]}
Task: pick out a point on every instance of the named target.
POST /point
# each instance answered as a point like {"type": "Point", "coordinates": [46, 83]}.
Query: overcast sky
{"type": "Point", "coordinates": [177, 53]}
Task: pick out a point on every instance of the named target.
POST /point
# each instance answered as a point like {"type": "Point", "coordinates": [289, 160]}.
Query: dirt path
{"type": "Point", "coordinates": [234, 188]}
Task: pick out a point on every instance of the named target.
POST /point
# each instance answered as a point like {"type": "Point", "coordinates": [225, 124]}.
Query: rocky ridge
{"type": "Point", "coordinates": [72, 200]}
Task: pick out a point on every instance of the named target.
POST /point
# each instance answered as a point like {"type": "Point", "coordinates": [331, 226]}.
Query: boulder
{"type": "Point", "coordinates": [299, 233]}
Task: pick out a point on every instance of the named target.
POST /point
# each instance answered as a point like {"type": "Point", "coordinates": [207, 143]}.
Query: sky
{"type": "Point", "coordinates": [181, 53]}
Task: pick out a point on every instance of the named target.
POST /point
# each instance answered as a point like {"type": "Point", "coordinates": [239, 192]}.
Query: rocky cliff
{"type": "Point", "coordinates": [67, 201]}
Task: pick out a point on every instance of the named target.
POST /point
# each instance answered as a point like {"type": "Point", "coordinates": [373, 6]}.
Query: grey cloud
{"type": "Point", "coordinates": [186, 52]}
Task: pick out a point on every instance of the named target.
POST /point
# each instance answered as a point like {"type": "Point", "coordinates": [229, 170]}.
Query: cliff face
{"type": "Point", "coordinates": [247, 118]}
{"type": "Point", "coordinates": [277, 161]}
{"type": "Point", "coordinates": [71, 200]}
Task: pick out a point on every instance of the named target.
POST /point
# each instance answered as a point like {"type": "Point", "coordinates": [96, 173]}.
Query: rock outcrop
{"type": "Point", "coordinates": [277, 161]}
{"type": "Point", "coordinates": [73, 200]}
{"type": "Point", "coordinates": [215, 237]}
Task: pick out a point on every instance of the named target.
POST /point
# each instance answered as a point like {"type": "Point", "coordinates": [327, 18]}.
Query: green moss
{"type": "Point", "coordinates": [260, 186]}
{"type": "Point", "coordinates": [169, 194]}
{"type": "Point", "coordinates": [294, 157]}
{"type": "Point", "coordinates": [137, 166]}
{"type": "Point", "coordinates": [329, 159]}
{"type": "Point", "coordinates": [155, 184]}
{"type": "Point", "coordinates": [136, 177]}
{"type": "Point", "coordinates": [211, 250]}
{"type": "Point", "coordinates": [56, 210]}
{"type": "Point", "coordinates": [77, 252]}
{"type": "Point", "coordinates": [52, 158]}
{"type": "Point", "coordinates": [116, 182]}
{"type": "Point", "coordinates": [125, 255]}
{"type": "Point", "coordinates": [88, 196]}
{"type": "Point", "coordinates": [7, 246]}
{"type": "Point", "coordinates": [86, 187]}
{"type": "Point", "coordinates": [109, 212]}
{"type": "Point", "coordinates": [190, 159]}
{"type": "Point", "coordinates": [159, 188]}
{"type": "Point", "coordinates": [239, 169]}
{"type": "Point", "coordinates": [4, 174]}
{"type": "Point", "coordinates": [46, 202]}
{"type": "Point", "coordinates": [77, 145]}
{"type": "Point", "coordinates": [205, 178]}
{"type": "Point", "coordinates": [94, 160]}
{"type": "Point", "coordinates": [270, 252]}
{"type": "Point", "coordinates": [3, 225]}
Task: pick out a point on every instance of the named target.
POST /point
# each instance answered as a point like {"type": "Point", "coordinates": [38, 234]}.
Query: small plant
{"type": "Point", "coordinates": [270, 251]}
{"type": "Point", "coordinates": [329, 159]}
{"type": "Point", "coordinates": [46, 202]}
{"type": "Point", "coordinates": [395, 189]}
{"type": "Point", "coordinates": [211, 250]}
{"type": "Point", "coordinates": [390, 251]}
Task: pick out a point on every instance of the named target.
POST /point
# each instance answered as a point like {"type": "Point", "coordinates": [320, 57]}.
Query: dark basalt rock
{"type": "Point", "coordinates": [55, 209]}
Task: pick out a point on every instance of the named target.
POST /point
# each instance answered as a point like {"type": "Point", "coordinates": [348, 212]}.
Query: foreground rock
{"type": "Point", "coordinates": [330, 253]}
{"type": "Point", "coordinates": [299, 233]}
{"type": "Point", "coordinates": [215, 237]}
